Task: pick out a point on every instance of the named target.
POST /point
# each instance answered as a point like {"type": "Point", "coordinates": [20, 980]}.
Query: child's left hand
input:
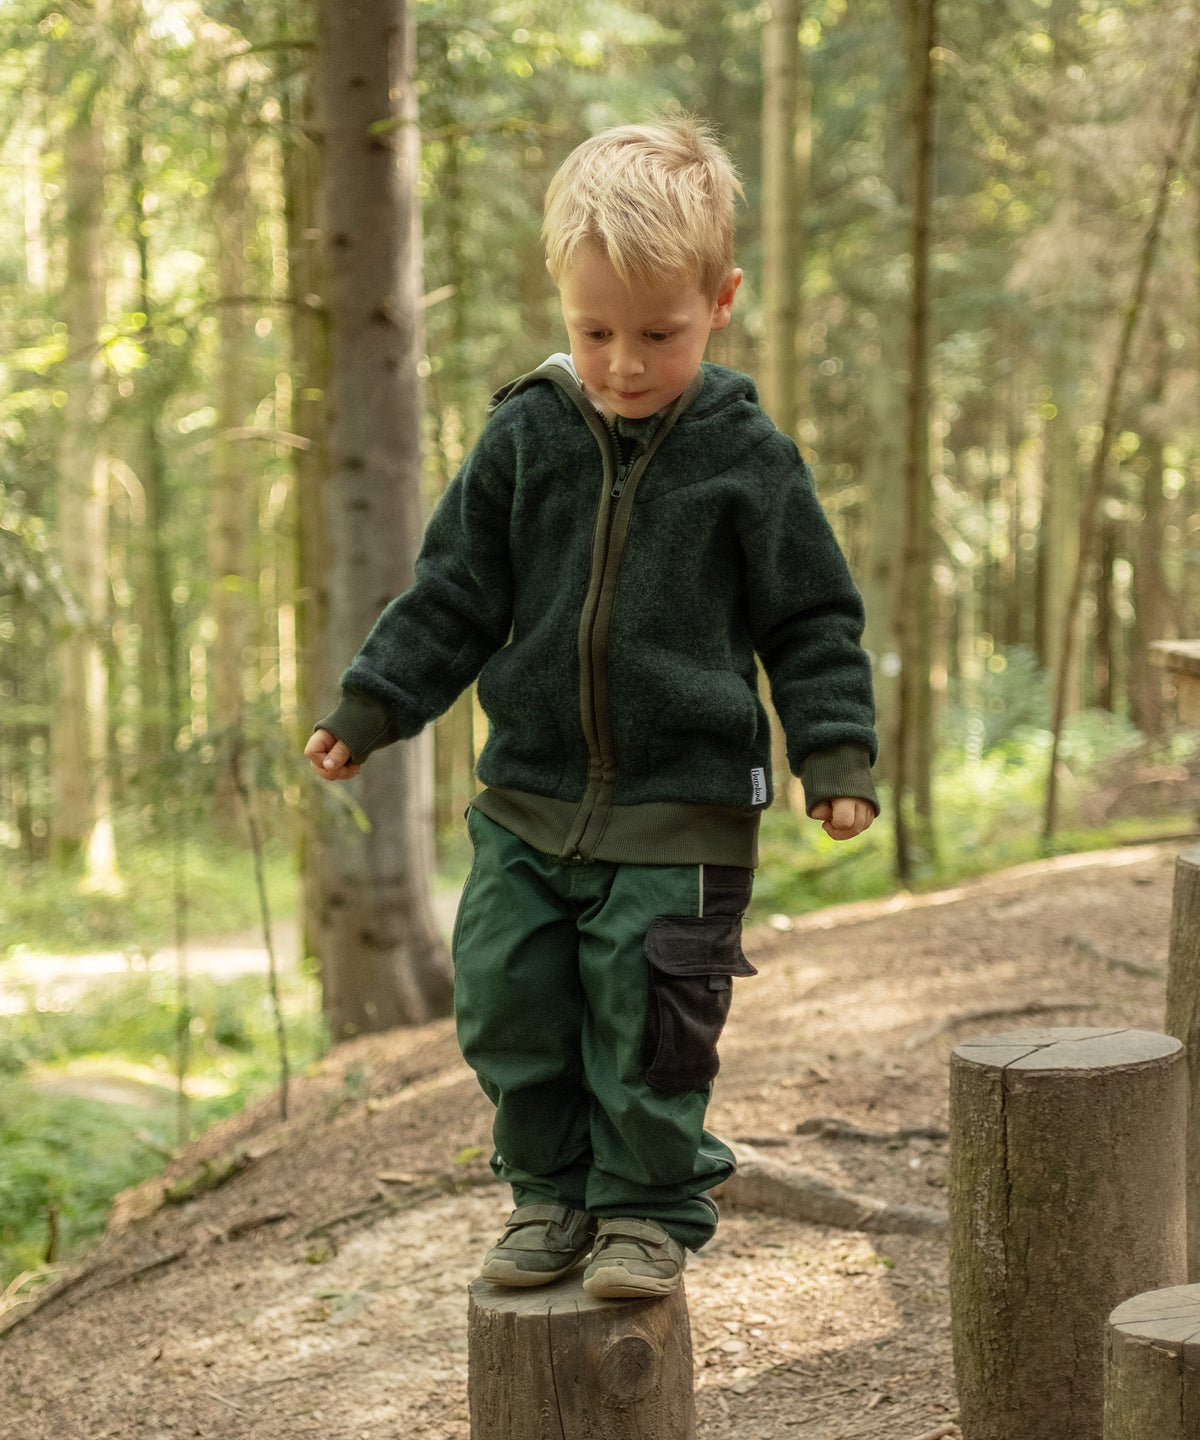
{"type": "Point", "coordinates": [843, 818]}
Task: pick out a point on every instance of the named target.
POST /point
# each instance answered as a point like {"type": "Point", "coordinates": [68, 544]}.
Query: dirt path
{"type": "Point", "coordinates": [65, 977]}
{"type": "Point", "coordinates": [321, 1291]}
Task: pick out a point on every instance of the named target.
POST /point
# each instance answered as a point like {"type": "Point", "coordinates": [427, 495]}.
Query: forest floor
{"type": "Point", "coordinates": [318, 1287]}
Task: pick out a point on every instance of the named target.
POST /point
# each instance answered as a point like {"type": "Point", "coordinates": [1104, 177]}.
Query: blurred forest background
{"type": "Point", "coordinates": [972, 254]}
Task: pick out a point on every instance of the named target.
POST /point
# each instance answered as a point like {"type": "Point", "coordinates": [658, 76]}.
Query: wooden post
{"type": "Point", "coordinates": [1182, 659]}
{"type": "Point", "coordinates": [1183, 1021]}
{"type": "Point", "coordinates": [1152, 1367]}
{"type": "Point", "coordinates": [552, 1363]}
{"type": "Point", "coordinates": [1066, 1198]}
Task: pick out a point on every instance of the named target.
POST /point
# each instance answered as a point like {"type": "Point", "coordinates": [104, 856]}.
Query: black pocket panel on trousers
{"type": "Point", "coordinates": [727, 889]}
{"type": "Point", "coordinates": [693, 960]}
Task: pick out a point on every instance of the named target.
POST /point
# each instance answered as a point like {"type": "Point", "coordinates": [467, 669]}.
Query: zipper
{"type": "Point", "coordinates": [601, 763]}
{"type": "Point", "coordinates": [612, 523]}
{"type": "Point", "coordinates": [623, 458]}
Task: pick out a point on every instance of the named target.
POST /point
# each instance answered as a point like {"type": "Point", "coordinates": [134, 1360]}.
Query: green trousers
{"type": "Point", "coordinates": [588, 999]}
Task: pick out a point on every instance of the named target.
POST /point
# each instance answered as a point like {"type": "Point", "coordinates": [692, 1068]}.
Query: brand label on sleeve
{"type": "Point", "coordinates": [758, 786]}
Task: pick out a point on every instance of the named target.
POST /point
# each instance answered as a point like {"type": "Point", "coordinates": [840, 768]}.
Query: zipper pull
{"type": "Point", "coordinates": [622, 477]}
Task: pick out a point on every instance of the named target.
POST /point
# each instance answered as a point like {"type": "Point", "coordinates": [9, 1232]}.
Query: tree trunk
{"type": "Point", "coordinates": [233, 511]}
{"type": "Point", "coordinates": [1106, 632]}
{"type": "Point", "coordinates": [782, 216]}
{"type": "Point", "coordinates": [1066, 1197]}
{"type": "Point", "coordinates": [82, 804]}
{"type": "Point", "coordinates": [912, 751]}
{"type": "Point", "coordinates": [884, 585]}
{"type": "Point", "coordinates": [382, 960]}
{"type": "Point", "coordinates": [782, 371]}
{"type": "Point", "coordinates": [1183, 1021]}
{"type": "Point", "coordinates": [1150, 606]}
{"type": "Point", "coordinates": [160, 711]}
{"type": "Point", "coordinates": [1067, 358]}
{"type": "Point", "coordinates": [1017, 610]}
{"type": "Point", "coordinates": [449, 397]}
{"type": "Point", "coordinates": [1058, 524]}
{"type": "Point", "coordinates": [883, 461]}
{"type": "Point", "coordinates": [309, 348]}
{"type": "Point", "coordinates": [555, 1364]}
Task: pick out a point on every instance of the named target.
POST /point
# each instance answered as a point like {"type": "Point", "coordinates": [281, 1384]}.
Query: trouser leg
{"type": "Point", "coordinates": [652, 1157]}
{"type": "Point", "coordinates": [519, 1012]}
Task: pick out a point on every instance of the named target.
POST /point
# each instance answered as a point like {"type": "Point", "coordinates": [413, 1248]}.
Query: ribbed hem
{"type": "Point", "coordinates": [843, 770]}
{"type": "Point", "coordinates": [659, 833]}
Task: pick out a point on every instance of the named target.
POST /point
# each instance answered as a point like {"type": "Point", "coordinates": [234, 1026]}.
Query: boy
{"type": "Point", "coordinates": [629, 532]}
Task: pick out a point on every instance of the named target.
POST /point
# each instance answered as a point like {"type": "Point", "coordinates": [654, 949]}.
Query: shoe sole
{"type": "Point", "coordinates": [617, 1284]}
{"type": "Point", "coordinates": [504, 1272]}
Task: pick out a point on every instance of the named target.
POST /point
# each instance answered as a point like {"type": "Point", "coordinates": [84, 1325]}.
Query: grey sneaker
{"type": "Point", "coordinates": [633, 1258]}
{"type": "Point", "coordinates": [540, 1243]}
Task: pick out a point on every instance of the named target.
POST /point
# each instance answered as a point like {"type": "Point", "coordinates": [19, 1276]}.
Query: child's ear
{"type": "Point", "coordinates": [723, 304]}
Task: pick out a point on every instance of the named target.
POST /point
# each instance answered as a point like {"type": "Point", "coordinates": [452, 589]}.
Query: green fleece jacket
{"type": "Point", "coordinates": [610, 587]}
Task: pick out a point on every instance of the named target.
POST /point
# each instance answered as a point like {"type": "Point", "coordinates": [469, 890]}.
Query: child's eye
{"type": "Point", "coordinates": [658, 336]}
{"type": "Point", "coordinates": [596, 334]}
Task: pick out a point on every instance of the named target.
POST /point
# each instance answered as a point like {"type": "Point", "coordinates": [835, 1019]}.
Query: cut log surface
{"type": "Point", "coordinates": [1152, 1367]}
{"type": "Point", "coordinates": [1066, 1198]}
{"type": "Point", "coordinates": [552, 1363]}
{"type": "Point", "coordinates": [1073, 1048]}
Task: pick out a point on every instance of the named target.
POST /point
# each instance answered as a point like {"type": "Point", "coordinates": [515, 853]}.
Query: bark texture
{"type": "Point", "coordinates": [1066, 1198]}
{"type": "Point", "coordinates": [782, 215]}
{"type": "Point", "coordinates": [554, 1364]}
{"type": "Point", "coordinates": [1183, 1021]}
{"type": "Point", "coordinates": [786, 144]}
{"type": "Point", "coordinates": [912, 742]}
{"type": "Point", "coordinates": [382, 960]}
{"type": "Point", "coordinates": [1152, 1367]}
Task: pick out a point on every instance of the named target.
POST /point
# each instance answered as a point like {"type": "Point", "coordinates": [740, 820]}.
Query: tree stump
{"type": "Point", "coordinates": [1066, 1198]}
{"type": "Point", "coordinates": [552, 1363]}
{"type": "Point", "coordinates": [1183, 1021]}
{"type": "Point", "coordinates": [1152, 1367]}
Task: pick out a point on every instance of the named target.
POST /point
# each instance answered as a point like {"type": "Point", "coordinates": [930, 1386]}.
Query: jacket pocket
{"type": "Point", "coordinates": [692, 961]}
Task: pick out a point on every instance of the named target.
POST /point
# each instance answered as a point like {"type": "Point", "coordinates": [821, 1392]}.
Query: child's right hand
{"type": "Point", "coordinates": [329, 757]}
{"type": "Point", "coordinates": [843, 818]}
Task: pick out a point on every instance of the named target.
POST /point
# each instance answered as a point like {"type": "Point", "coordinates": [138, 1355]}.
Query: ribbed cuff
{"type": "Point", "coordinates": [361, 723]}
{"type": "Point", "coordinates": [843, 770]}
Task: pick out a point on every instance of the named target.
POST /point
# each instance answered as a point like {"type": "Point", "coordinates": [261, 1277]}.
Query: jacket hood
{"type": "Point", "coordinates": [713, 389]}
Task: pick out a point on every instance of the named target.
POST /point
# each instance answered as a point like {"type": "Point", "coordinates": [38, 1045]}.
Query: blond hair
{"type": "Point", "coordinates": [657, 199]}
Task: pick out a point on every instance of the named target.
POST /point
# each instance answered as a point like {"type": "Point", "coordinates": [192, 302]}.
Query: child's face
{"type": "Point", "coordinates": [637, 346]}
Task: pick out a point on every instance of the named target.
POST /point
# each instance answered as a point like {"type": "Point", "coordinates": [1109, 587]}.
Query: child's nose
{"type": "Point", "coordinates": [626, 360]}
